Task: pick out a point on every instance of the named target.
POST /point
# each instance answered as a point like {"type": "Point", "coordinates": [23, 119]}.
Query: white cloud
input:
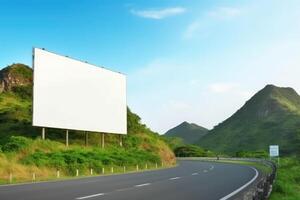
{"type": "Point", "coordinates": [210, 20]}
{"type": "Point", "coordinates": [225, 13]}
{"type": "Point", "coordinates": [192, 29]}
{"type": "Point", "coordinates": [178, 106]}
{"type": "Point", "coordinates": [222, 87]}
{"type": "Point", "coordinates": [159, 13]}
{"type": "Point", "coordinates": [228, 88]}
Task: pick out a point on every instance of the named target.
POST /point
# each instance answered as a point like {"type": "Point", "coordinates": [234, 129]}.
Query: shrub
{"type": "Point", "coordinates": [191, 151]}
{"type": "Point", "coordinates": [252, 154]}
{"type": "Point", "coordinates": [25, 92]}
{"type": "Point", "coordinates": [16, 143]}
{"type": "Point", "coordinates": [95, 158]}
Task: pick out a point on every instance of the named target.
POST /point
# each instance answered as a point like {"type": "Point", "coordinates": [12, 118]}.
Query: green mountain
{"type": "Point", "coordinates": [271, 116]}
{"type": "Point", "coordinates": [188, 132]}
{"type": "Point", "coordinates": [17, 135]}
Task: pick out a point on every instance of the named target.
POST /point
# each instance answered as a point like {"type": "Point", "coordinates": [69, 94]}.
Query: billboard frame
{"type": "Point", "coordinates": [75, 129]}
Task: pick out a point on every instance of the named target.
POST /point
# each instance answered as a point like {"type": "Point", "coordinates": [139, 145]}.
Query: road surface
{"type": "Point", "coordinates": [190, 180]}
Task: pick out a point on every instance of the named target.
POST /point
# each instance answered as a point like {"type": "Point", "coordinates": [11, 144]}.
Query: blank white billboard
{"type": "Point", "coordinates": [71, 94]}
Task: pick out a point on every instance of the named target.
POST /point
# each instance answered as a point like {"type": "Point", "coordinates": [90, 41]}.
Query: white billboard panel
{"type": "Point", "coordinates": [71, 94]}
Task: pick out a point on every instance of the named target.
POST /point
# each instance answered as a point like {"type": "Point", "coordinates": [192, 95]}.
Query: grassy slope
{"type": "Point", "coordinates": [188, 132]}
{"type": "Point", "coordinates": [45, 157]}
{"type": "Point", "coordinates": [141, 145]}
{"type": "Point", "coordinates": [270, 117]}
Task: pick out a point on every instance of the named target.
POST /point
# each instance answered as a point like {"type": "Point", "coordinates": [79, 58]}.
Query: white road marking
{"type": "Point", "coordinates": [241, 188]}
{"type": "Point", "coordinates": [141, 185]}
{"type": "Point", "coordinates": [194, 174]}
{"type": "Point", "coordinates": [90, 196]}
{"type": "Point", "coordinates": [122, 189]}
{"type": "Point", "coordinates": [174, 178]}
{"type": "Point", "coordinates": [205, 171]}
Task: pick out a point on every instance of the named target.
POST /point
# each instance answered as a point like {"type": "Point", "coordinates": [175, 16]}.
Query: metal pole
{"type": "Point", "coordinates": [102, 140]}
{"type": "Point", "coordinates": [43, 134]}
{"type": "Point", "coordinates": [86, 138]}
{"type": "Point", "coordinates": [67, 138]}
{"type": "Point", "coordinates": [120, 140]}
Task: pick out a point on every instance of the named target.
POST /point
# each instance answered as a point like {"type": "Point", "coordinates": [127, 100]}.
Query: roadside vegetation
{"type": "Point", "coordinates": [192, 151]}
{"type": "Point", "coordinates": [23, 156]}
{"type": "Point", "coordinates": [252, 154]}
{"type": "Point", "coordinates": [181, 149]}
{"type": "Point", "coordinates": [287, 183]}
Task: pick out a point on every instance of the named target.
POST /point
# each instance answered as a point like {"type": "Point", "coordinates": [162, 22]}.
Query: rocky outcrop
{"type": "Point", "coordinates": [15, 75]}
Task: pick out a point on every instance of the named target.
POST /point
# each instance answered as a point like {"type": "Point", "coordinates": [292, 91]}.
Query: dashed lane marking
{"type": "Point", "coordinates": [90, 196]}
{"type": "Point", "coordinates": [142, 185]}
{"type": "Point", "coordinates": [175, 178]}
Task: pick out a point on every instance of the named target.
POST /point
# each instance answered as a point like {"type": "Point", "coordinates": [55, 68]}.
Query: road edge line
{"type": "Point", "coordinates": [242, 187]}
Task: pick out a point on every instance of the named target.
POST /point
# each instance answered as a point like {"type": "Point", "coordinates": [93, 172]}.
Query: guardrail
{"type": "Point", "coordinates": [261, 188]}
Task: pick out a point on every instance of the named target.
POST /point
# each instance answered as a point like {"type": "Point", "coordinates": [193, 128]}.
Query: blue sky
{"type": "Point", "coordinates": [196, 61]}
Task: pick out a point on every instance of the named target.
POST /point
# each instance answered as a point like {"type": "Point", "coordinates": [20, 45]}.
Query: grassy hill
{"type": "Point", "coordinates": [188, 132]}
{"type": "Point", "coordinates": [22, 151]}
{"type": "Point", "coordinates": [271, 116]}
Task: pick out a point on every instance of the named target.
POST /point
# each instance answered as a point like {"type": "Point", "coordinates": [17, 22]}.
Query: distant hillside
{"type": "Point", "coordinates": [140, 145]}
{"type": "Point", "coordinates": [271, 116]}
{"type": "Point", "coordinates": [188, 132]}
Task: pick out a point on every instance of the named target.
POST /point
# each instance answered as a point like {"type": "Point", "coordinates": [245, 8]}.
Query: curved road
{"type": "Point", "coordinates": [191, 180]}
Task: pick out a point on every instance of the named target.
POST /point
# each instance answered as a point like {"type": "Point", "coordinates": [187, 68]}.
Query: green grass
{"type": "Point", "coordinates": [287, 183]}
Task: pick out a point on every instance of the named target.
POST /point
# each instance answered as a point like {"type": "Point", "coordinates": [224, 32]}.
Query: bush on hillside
{"type": "Point", "coordinates": [173, 142]}
{"type": "Point", "coordinates": [15, 143]}
{"type": "Point", "coordinates": [25, 92]}
{"type": "Point", "coordinates": [95, 158]}
{"type": "Point", "coordinates": [192, 151]}
{"type": "Point", "coordinates": [252, 154]}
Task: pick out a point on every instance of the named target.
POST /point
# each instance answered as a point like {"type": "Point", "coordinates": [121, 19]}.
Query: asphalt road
{"type": "Point", "coordinates": [191, 180]}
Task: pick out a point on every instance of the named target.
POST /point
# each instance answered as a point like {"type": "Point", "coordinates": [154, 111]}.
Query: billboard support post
{"type": "Point", "coordinates": [120, 140]}
{"type": "Point", "coordinates": [102, 140]}
{"type": "Point", "coordinates": [86, 138]}
{"type": "Point", "coordinates": [67, 138]}
{"type": "Point", "coordinates": [43, 134]}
